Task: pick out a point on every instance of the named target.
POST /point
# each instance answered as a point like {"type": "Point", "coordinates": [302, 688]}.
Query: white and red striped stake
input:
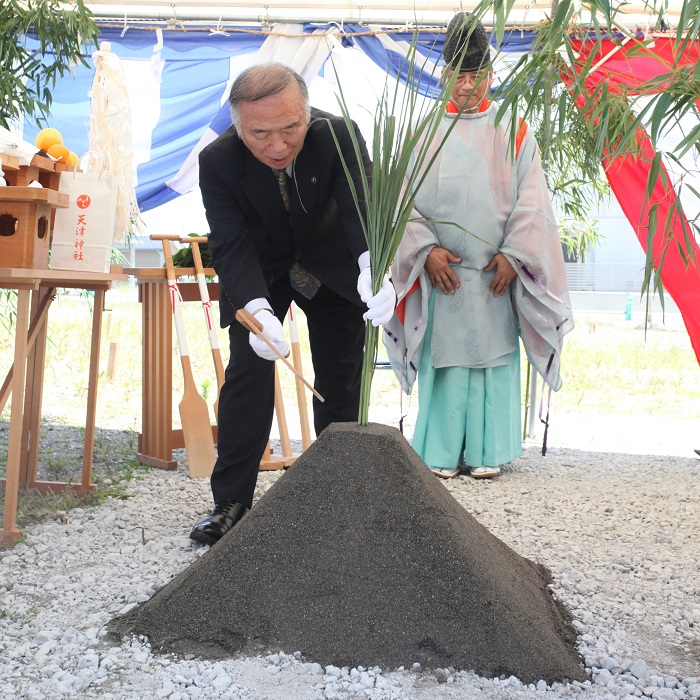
{"type": "Point", "coordinates": [206, 307]}
{"type": "Point", "coordinates": [301, 396]}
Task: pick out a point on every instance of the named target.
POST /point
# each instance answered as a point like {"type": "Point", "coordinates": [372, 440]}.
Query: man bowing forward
{"type": "Point", "coordinates": [283, 227]}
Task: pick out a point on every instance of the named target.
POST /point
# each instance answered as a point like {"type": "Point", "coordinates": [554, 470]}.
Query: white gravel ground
{"type": "Point", "coordinates": [612, 510]}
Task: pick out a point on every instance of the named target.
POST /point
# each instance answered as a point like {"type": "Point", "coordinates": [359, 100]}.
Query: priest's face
{"type": "Point", "coordinates": [470, 88]}
{"type": "Point", "coordinates": [273, 128]}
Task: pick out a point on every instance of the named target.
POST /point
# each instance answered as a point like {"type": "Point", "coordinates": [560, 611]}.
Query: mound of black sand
{"type": "Point", "coordinates": [358, 555]}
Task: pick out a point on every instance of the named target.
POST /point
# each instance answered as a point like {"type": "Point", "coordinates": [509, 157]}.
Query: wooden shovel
{"type": "Point", "coordinates": [194, 412]}
{"type": "Point", "coordinates": [194, 242]}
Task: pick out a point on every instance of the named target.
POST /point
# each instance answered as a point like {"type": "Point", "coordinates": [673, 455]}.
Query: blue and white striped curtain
{"type": "Point", "coordinates": [178, 84]}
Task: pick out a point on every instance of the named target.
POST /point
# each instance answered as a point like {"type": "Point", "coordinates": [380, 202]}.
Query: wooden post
{"type": "Point", "coordinates": [93, 374]}
{"type": "Point", "coordinates": [156, 438]}
{"type": "Point", "coordinates": [10, 534]}
{"type": "Point", "coordinates": [112, 362]}
{"type": "Point", "coordinates": [301, 394]}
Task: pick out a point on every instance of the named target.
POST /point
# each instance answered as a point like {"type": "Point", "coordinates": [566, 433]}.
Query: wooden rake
{"type": "Point", "coordinates": [194, 412]}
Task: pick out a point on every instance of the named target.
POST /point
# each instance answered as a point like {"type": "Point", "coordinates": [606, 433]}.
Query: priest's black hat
{"type": "Point", "coordinates": [466, 44]}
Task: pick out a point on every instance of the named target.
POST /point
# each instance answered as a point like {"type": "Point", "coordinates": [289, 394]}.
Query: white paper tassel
{"type": "Point", "coordinates": [110, 135]}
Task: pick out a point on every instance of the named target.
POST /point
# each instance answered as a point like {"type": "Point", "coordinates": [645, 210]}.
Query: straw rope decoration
{"type": "Point", "coordinates": [110, 136]}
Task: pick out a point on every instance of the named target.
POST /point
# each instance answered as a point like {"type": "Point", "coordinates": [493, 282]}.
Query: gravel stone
{"type": "Point", "coordinates": [72, 574]}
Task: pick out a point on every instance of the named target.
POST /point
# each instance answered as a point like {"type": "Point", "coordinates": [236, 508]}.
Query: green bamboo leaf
{"type": "Point", "coordinates": [658, 277]}
{"type": "Point", "coordinates": [562, 111]}
{"type": "Point", "coordinates": [693, 190]}
{"type": "Point", "coordinates": [682, 253]}
{"type": "Point", "coordinates": [653, 175]}
{"type": "Point", "coordinates": [684, 19]}
{"type": "Point", "coordinates": [649, 261]}
{"type": "Point", "coordinates": [604, 7]}
{"type": "Point", "coordinates": [660, 112]}
{"type": "Point", "coordinates": [652, 227]}
{"type": "Point", "coordinates": [689, 141]}
{"type": "Point", "coordinates": [562, 16]}
{"type": "Point", "coordinates": [500, 19]}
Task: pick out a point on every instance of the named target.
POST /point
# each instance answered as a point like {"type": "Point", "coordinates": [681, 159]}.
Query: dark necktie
{"type": "Point", "coordinates": [300, 279]}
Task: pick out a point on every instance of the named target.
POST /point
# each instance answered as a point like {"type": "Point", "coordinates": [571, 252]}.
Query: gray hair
{"type": "Point", "coordinates": [261, 81]}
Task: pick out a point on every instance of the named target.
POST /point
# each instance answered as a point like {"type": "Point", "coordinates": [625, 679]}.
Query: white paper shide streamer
{"type": "Point", "coordinates": [110, 136]}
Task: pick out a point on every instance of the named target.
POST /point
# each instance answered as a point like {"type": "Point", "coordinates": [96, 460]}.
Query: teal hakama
{"type": "Point", "coordinates": [468, 416]}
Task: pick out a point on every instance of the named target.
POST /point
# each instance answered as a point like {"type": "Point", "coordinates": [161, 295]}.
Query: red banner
{"type": "Point", "coordinates": [627, 67]}
{"type": "Point", "coordinates": [628, 179]}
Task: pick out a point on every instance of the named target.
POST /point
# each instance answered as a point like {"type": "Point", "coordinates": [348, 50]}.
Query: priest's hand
{"type": "Point", "coordinates": [437, 265]}
{"type": "Point", "coordinates": [505, 274]}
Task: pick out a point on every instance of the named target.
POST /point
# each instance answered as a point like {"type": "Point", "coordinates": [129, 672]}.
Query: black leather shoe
{"type": "Point", "coordinates": [224, 516]}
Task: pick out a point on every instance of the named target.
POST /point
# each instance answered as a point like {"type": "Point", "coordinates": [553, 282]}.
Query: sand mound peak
{"type": "Point", "coordinates": [359, 556]}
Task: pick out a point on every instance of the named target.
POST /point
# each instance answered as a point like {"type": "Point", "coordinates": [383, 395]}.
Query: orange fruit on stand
{"type": "Point", "coordinates": [59, 152]}
{"type": "Point", "coordinates": [47, 138]}
{"type": "Point", "coordinates": [73, 158]}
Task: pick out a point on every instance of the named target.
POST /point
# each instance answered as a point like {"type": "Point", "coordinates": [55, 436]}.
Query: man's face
{"type": "Point", "coordinates": [470, 88]}
{"type": "Point", "coordinates": [274, 127]}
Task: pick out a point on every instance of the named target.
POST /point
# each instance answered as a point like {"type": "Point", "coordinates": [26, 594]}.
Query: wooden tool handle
{"type": "Point", "coordinates": [193, 239]}
{"type": "Point", "coordinates": [206, 307]}
{"type": "Point", "coordinates": [174, 299]}
{"type": "Point", "coordinates": [296, 361]}
{"type": "Point", "coordinates": [254, 326]}
{"type": "Point", "coordinates": [247, 320]}
{"type": "Point", "coordinates": [164, 237]}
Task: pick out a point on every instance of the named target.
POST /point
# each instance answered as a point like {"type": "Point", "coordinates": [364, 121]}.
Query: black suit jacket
{"type": "Point", "coordinates": [253, 241]}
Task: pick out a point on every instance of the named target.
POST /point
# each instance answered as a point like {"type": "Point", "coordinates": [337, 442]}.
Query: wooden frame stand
{"type": "Point", "coordinates": [158, 438]}
{"type": "Point", "coordinates": [25, 380]}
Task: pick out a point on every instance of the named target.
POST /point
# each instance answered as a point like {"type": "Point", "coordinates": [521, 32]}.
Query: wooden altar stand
{"type": "Point", "coordinates": [35, 291]}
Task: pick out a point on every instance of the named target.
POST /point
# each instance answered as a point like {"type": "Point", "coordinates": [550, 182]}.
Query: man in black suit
{"type": "Point", "coordinates": [284, 227]}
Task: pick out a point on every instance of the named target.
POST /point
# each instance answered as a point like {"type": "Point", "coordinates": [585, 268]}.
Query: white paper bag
{"type": "Point", "coordinates": [83, 232]}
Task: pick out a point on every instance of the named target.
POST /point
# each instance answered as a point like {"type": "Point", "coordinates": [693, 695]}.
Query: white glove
{"type": "Point", "coordinates": [272, 330]}
{"type": "Point", "coordinates": [364, 281]}
{"type": "Point", "coordinates": [381, 306]}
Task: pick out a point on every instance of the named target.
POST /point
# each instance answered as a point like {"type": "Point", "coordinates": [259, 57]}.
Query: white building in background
{"type": "Point", "coordinates": [616, 264]}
